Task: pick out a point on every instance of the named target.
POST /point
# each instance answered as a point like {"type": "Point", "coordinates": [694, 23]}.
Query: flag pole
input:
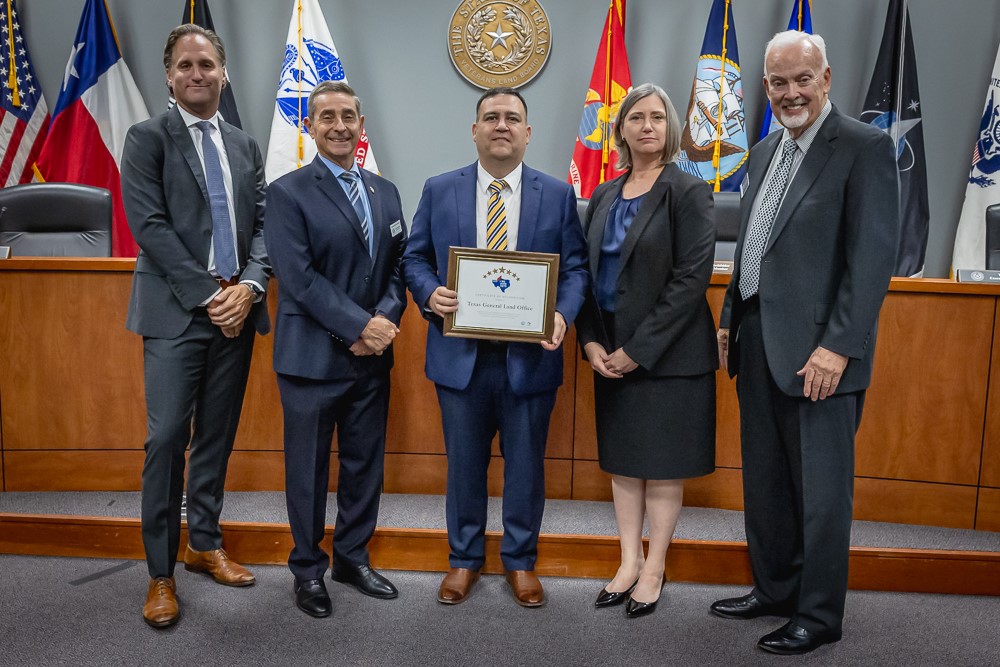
{"type": "Point", "coordinates": [717, 151]}
{"type": "Point", "coordinates": [301, 146]}
{"type": "Point", "coordinates": [898, 103]}
{"type": "Point", "coordinates": [12, 77]}
{"type": "Point", "coordinates": [192, 12]}
{"type": "Point", "coordinates": [605, 147]}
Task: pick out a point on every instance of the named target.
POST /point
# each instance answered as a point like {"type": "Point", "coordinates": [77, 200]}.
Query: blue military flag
{"type": "Point", "coordinates": [801, 20]}
{"type": "Point", "coordinates": [893, 106]}
{"type": "Point", "coordinates": [714, 139]}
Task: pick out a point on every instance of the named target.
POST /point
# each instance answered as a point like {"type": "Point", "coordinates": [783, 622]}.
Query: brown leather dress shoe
{"type": "Point", "coordinates": [526, 587]}
{"type": "Point", "coordinates": [218, 565]}
{"type": "Point", "coordinates": [161, 608]}
{"type": "Point", "coordinates": [456, 585]}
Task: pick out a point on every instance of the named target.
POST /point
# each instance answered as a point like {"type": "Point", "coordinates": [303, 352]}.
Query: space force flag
{"type": "Point", "coordinates": [97, 104]}
{"type": "Point", "coordinates": [24, 117]}
{"type": "Point", "coordinates": [594, 154]}
{"type": "Point", "coordinates": [310, 57]}
{"type": "Point", "coordinates": [197, 12]}
{"type": "Point", "coordinates": [893, 106]}
{"type": "Point", "coordinates": [801, 20]}
{"type": "Point", "coordinates": [983, 189]}
{"type": "Point", "coordinates": [714, 139]}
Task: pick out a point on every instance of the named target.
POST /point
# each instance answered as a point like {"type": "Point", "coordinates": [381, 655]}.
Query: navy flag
{"type": "Point", "coordinates": [893, 106]}
{"type": "Point", "coordinates": [714, 139]}
{"type": "Point", "coordinates": [801, 20]}
{"type": "Point", "coordinates": [197, 12]}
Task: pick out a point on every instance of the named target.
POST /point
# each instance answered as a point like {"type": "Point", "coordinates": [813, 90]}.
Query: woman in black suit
{"type": "Point", "coordinates": [650, 337]}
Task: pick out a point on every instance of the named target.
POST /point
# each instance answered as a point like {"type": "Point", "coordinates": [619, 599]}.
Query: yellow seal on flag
{"type": "Point", "coordinates": [499, 43]}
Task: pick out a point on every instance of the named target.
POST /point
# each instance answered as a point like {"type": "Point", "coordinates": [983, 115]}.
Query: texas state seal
{"type": "Point", "coordinates": [503, 43]}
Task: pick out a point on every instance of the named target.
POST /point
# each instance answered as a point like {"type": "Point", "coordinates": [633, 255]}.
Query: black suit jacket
{"type": "Point", "coordinates": [662, 319]}
{"type": "Point", "coordinates": [827, 264]}
{"type": "Point", "coordinates": [328, 284]}
{"type": "Point", "coordinates": [166, 200]}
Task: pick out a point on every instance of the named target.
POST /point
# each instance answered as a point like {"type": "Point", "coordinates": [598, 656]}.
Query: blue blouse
{"type": "Point", "coordinates": [620, 218]}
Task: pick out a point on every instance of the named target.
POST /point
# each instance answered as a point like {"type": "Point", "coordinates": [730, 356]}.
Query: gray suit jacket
{"type": "Point", "coordinates": [166, 201]}
{"type": "Point", "coordinates": [827, 263]}
{"type": "Point", "coordinates": [662, 319]}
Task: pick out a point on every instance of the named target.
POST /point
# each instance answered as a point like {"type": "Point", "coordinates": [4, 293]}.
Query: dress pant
{"type": "Point", "coordinates": [313, 409]}
{"type": "Point", "coordinates": [798, 488]}
{"type": "Point", "coordinates": [471, 417]}
{"type": "Point", "coordinates": [194, 394]}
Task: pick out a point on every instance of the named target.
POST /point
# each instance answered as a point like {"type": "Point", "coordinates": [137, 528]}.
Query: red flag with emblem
{"type": "Point", "coordinates": [594, 154]}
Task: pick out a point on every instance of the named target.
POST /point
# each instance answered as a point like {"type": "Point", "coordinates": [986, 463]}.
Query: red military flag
{"type": "Point", "coordinates": [594, 154]}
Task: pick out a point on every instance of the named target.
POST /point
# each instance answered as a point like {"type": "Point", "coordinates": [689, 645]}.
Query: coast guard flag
{"type": "Point", "coordinates": [983, 189]}
{"type": "Point", "coordinates": [97, 104]}
{"type": "Point", "coordinates": [197, 12]}
{"type": "Point", "coordinates": [714, 139]}
{"type": "Point", "coordinates": [24, 117]}
{"type": "Point", "coordinates": [594, 154]}
{"type": "Point", "coordinates": [801, 20]}
{"type": "Point", "coordinates": [893, 106]}
{"type": "Point", "coordinates": [310, 57]}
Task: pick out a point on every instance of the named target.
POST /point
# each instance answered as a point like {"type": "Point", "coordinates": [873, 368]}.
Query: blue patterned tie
{"type": "Point", "coordinates": [222, 228]}
{"type": "Point", "coordinates": [760, 226]}
{"type": "Point", "coordinates": [359, 206]}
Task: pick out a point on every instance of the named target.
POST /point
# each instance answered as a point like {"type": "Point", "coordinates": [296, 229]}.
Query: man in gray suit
{"type": "Point", "coordinates": [193, 188]}
{"type": "Point", "coordinates": [813, 260]}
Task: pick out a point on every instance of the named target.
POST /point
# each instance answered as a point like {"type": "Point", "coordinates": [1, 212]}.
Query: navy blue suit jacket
{"type": "Point", "coordinates": [446, 216]}
{"type": "Point", "coordinates": [328, 284]}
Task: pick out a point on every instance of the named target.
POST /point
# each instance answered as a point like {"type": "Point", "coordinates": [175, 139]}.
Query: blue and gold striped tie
{"type": "Point", "coordinates": [496, 218]}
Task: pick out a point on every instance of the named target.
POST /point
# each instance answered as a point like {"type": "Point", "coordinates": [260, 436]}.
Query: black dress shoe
{"type": "Point", "coordinates": [746, 607]}
{"type": "Point", "coordinates": [364, 578]}
{"type": "Point", "coordinates": [312, 598]}
{"type": "Point", "coordinates": [635, 609]}
{"type": "Point", "coordinates": [609, 599]}
{"type": "Point", "coordinates": [791, 639]}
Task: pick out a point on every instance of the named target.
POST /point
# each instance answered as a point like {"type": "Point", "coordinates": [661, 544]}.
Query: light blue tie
{"type": "Point", "coordinates": [222, 228]}
{"type": "Point", "coordinates": [359, 206]}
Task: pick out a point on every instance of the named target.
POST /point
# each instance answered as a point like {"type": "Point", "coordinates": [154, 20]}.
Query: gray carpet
{"type": "Point", "coordinates": [568, 517]}
{"type": "Point", "coordinates": [56, 611]}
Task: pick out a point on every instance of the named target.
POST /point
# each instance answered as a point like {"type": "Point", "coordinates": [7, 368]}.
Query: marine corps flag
{"type": "Point", "coordinates": [594, 154]}
{"type": "Point", "coordinates": [800, 20]}
{"type": "Point", "coordinates": [893, 106]}
{"type": "Point", "coordinates": [197, 12]}
{"type": "Point", "coordinates": [983, 189]}
{"type": "Point", "coordinates": [714, 139]}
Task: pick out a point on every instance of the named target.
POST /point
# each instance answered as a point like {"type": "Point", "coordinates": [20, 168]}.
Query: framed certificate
{"type": "Point", "coordinates": [502, 295]}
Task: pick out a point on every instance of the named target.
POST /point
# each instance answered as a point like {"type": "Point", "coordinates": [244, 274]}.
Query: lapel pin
{"type": "Point", "coordinates": [371, 189]}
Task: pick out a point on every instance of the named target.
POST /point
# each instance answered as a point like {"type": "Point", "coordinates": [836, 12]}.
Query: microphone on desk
{"type": "Point", "coordinates": [4, 250]}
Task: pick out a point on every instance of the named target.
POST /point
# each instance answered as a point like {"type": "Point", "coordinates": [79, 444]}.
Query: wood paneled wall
{"type": "Point", "coordinates": [72, 412]}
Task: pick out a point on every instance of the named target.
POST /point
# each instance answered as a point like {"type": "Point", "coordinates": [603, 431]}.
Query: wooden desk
{"type": "Point", "coordinates": [72, 414]}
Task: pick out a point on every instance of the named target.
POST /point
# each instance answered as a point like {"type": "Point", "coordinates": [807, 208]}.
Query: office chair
{"type": "Point", "coordinates": [56, 220]}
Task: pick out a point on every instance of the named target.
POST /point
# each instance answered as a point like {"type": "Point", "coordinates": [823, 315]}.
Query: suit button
{"type": "Point", "coordinates": [621, 291]}
{"type": "Point", "coordinates": [368, 279]}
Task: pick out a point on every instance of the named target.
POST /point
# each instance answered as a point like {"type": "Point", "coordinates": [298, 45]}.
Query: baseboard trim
{"type": "Point", "coordinates": [421, 549]}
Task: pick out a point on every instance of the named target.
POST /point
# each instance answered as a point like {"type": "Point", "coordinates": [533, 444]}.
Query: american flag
{"type": "Point", "coordinates": [24, 117]}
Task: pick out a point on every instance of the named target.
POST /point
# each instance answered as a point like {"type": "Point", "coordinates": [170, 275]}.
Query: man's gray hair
{"type": "Point", "coordinates": [789, 37]}
{"type": "Point", "coordinates": [331, 87]}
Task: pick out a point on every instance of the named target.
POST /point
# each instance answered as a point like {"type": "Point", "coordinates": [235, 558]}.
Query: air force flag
{"type": "Point", "coordinates": [310, 57]}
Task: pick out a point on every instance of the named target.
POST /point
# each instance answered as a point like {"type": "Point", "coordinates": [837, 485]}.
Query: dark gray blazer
{"type": "Point", "coordinates": [662, 319]}
{"type": "Point", "coordinates": [166, 201]}
{"type": "Point", "coordinates": [828, 261]}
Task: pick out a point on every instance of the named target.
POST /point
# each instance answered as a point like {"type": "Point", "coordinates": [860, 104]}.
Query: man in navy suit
{"type": "Point", "coordinates": [337, 235]}
{"type": "Point", "coordinates": [818, 236]}
{"type": "Point", "coordinates": [486, 386]}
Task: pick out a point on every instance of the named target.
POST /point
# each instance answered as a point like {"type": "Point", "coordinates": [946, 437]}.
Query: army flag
{"type": "Point", "coordinates": [983, 189]}
{"type": "Point", "coordinates": [24, 116]}
{"type": "Point", "coordinates": [594, 154]}
{"type": "Point", "coordinates": [801, 20]}
{"type": "Point", "coordinates": [197, 12]}
{"type": "Point", "coordinates": [893, 106]}
{"type": "Point", "coordinates": [97, 104]}
{"type": "Point", "coordinates": [310, 58]}
{"type": "Point", "coordinates": [714, 139]}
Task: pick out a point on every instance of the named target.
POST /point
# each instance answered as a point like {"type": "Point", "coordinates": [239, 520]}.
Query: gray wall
{"type": "Point", "coordinates": [419, 111]}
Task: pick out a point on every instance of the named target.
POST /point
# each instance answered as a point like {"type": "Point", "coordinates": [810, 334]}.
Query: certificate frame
{"type": "Point", "coordinates": [507, 295]}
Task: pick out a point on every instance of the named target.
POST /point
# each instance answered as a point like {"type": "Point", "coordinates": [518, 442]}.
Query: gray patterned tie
{"type": "Point", "coordinates": [760, 226]}
{"type": "Point", "coordinates": [222, 227]}
{"type": "Point", "coordinates": [359, 206]}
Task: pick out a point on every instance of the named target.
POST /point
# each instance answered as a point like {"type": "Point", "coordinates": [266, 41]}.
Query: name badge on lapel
{"type": "Point", "coordinates": [396, 228]}
{"type": "Point", "coordinates": [745, 184]}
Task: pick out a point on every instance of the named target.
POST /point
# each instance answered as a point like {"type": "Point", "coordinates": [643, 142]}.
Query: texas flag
{"type": "Point", "coordinates": [97, 104]}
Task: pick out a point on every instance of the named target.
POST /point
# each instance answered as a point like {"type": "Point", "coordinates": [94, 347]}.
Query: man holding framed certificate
{"type": "Point", "coordinates": [497, 262]}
